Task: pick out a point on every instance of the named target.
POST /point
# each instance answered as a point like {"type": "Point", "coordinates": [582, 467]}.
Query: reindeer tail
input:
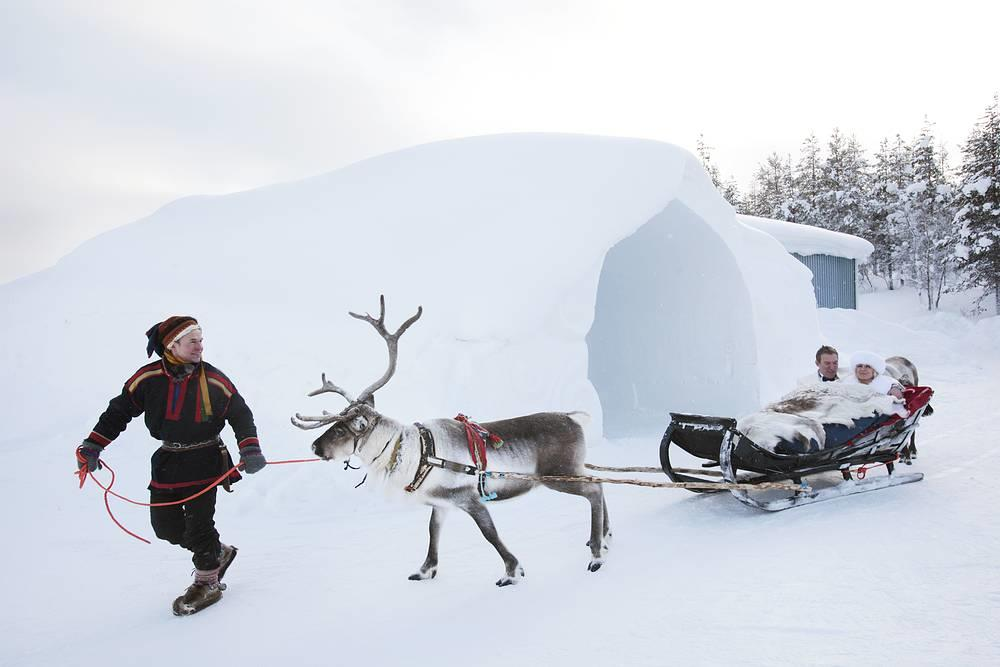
{"type": "Point", "coordinates": [580, 417]}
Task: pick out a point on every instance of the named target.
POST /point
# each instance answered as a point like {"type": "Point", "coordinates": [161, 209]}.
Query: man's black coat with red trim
{"type": "Point", "coordinates": [176, 411]}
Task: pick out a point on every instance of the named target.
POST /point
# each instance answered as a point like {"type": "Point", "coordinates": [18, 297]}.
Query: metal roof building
{"type": "Point", "coordinates": [831, 256]}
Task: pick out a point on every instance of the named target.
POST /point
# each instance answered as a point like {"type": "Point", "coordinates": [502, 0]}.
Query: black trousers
{"type": "Point", "coordinates": [190, 525]}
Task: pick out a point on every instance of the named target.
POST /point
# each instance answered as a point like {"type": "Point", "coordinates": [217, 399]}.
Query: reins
{"type": "Point", "coordinates": [787, 486]}
{"type": "Point", "coordinates": [83, 472]}
{"type": "Point", "coordinates": [357, 438]}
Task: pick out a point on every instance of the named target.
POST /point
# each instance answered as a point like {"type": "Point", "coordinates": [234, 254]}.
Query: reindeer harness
{"type": "Point", "coordinates": [477, 437]}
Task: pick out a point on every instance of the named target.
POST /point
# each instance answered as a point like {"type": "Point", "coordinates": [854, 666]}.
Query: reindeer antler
{"type": "Point", "coordinates": [306, 422]}
{"type": "Point", "coordinates": [391, 340]}
{"type": "Point", "coordinates": [332, 388]}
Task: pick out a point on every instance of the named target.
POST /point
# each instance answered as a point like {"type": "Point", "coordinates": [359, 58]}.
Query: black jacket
{"type": "Point", "coordinates": [189, 404]}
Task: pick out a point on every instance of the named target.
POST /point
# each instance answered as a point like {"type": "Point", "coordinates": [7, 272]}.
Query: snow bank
{"type": "Point", "coordinates": [502, 239]}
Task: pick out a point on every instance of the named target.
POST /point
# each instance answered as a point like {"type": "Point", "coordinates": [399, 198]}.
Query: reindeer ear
{"type": "Point", "coordinates": [370, 401]}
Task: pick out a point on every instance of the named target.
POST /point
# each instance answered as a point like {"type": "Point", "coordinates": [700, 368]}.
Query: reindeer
{"type": "Point", "coordinates": [424, 459]}
{"type": "Point", "coordinates": [904, 372]}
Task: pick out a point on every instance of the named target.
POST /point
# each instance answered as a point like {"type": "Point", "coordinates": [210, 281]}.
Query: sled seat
{"type": "Point", "coordinates": [705, 437]}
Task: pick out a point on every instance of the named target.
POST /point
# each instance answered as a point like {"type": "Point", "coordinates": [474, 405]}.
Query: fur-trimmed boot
{"type": "Point", "coordinates": [204, 592]}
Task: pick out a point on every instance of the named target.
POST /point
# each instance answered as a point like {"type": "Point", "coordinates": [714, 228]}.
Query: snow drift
{"type": "Point", "coordinates": [547, 265]}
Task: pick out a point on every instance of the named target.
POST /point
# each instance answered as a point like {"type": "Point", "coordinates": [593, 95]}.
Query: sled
{"type": "Point", "coordinates": [718, 442]}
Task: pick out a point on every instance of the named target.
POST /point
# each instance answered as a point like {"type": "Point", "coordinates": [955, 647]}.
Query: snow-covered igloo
{"type": "Point", "coordinates": [556, 272]}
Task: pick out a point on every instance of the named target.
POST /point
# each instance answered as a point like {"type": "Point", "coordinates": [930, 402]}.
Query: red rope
{"type": "Point", "coordinates": [83, 472]}
{"type": "Point", "coordinates": [863, 470]}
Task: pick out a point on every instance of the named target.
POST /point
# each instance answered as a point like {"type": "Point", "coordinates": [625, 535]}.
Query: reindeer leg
{"type": "Point", "coordinates": [599, 525]}
{"type": "Point", "coordinates": [513, 570]}
{"type": "Point", "coordinates": [429, 569]}
{"type": "Point", "coordinates": [607, 523]}
{"type": "Point", "coordinates": [607, 520]}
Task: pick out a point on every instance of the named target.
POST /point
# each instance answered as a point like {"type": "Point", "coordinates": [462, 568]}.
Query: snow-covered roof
{"type": "Point", "coordinates": [808, 240]}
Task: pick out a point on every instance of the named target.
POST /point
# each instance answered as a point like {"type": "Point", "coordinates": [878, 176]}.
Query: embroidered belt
{"type": "Point", "coordinates": [186, 446]}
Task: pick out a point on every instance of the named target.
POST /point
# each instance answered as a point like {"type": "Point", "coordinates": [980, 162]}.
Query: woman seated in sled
{"type": "Point", "coordinates": [829, 415]}
{"type": "Point", "coordinates": [869, 369]}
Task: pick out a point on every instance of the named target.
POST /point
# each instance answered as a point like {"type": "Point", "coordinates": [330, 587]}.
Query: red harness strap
{"type": "Point", "coordinates": [477, 437]}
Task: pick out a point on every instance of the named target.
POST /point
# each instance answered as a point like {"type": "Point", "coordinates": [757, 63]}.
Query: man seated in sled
{"type": "Point", "coordinates": [868, 369]}
{"type": "Point", "coordinates": [827, 367]}
{"type": "Point", "coordinates": [823, 415]}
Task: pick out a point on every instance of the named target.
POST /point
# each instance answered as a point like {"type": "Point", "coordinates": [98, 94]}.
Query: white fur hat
{"type": "Point", "coordinates": [868, 359]}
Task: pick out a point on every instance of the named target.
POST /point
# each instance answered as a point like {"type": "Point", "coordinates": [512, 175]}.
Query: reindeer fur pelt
{"type": "Point", "coordinates": [800, 415]}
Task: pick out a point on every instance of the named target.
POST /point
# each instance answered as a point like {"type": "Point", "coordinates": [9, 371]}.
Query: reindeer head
{"type": "Point", "coordinates": [346, 430]}
{"type": "Point", "coordinates": [353, 424]}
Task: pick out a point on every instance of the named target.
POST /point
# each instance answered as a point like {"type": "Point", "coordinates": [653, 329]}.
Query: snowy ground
{"type": "Point", "coordinates": [909, 575]}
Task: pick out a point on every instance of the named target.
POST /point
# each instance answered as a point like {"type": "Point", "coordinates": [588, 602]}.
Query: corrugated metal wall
{"type": "Point", "coordinates": [833, 280]}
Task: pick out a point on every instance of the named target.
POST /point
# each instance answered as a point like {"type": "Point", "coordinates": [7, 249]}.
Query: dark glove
{"type": "Point", "coordinates": [252, 459]}
{"type": "Point", "coordinates": [88, 454]}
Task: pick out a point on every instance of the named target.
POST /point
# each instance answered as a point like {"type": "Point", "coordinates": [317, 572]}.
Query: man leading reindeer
{"type": "Point", "coordinates": [186, 402]}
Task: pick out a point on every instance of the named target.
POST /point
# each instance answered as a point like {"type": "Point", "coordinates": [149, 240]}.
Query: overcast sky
{"type": "Point", "coordinates": [112, 108]}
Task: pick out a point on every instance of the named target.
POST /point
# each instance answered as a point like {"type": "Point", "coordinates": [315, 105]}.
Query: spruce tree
{"type": "Point", "coordinates": [926, 210]}
{"type": "Point", "coordinates": [842, 185]}
{"type": "Point", "coordinates": [890, 173]}
{"type": "Point", "coordinates": [978, 203]}
{"type": "Point", "coordinates": [806, 183]}
{"type": "Point", "coordinates": [705, 155]}
{"type": "Point", "coordinates": [727, 188]}
{"type": "Point", "coordinates": [771, 192]}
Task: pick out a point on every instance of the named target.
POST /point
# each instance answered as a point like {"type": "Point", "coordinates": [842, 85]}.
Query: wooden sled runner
{"type": "Point", "coordinates": [725, 450]}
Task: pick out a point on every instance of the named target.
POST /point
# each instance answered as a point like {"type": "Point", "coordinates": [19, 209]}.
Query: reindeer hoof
{"type": "Point", "coordinates": [423, 574]}
{"type": "Point", "coordinates": [510, 580]}
{"type": "Point", "coordinates": [595, 564]}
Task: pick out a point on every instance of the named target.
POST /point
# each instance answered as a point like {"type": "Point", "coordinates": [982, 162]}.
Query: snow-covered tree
{"type": "Point", "coordinates": [705, 155]}
{"type": "Point", "coordinates": [804, 206]}
{"type": "Point", "coordinates": [771, 191]}
{"type": "Point", "coordinates": [978, 204]}
{"type": "Point", "coordinates": [843, 184]}
{"type": "Point", "coordinates": [727, 187]}
{"type": "Point", "coordinates": [926, 215]}
{"type": "Point", "coordinates": [890, 174]}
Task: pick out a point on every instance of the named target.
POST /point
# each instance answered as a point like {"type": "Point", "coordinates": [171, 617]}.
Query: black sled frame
{"type": "Point", "coordinates": [717, 441]}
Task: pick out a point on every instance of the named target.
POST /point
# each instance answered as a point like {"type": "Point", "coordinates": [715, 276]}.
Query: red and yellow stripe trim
{"type": "Point", "coordinates": [143, 373]}
{"type": "Point", "coordinates": [222, 383]}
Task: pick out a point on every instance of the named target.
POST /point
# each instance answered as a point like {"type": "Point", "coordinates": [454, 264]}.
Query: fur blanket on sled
{"type": "Point", "coordinates": [800, 415]}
